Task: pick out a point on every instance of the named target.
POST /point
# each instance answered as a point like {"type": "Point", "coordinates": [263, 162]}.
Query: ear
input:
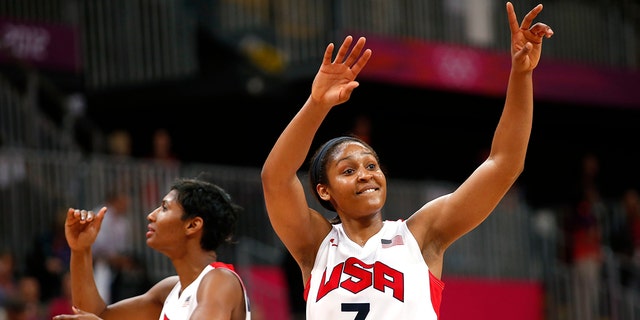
{"type": "Point", "coordinates": [323, 192]}
{"type": "Point", "coordinates": [194, 225]}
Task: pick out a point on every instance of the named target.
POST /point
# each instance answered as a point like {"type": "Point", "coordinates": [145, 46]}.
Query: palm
{"type": "Point", "coordinates": [531, 59]}
{"type": "Point", "coordinates": [331, 82]}
{"type": "Point", "coordinates": [521, 34]}
{"type": "Point", "coordinates": [81, 235]}
{"type": "Point", "coordinates": [335, 80]}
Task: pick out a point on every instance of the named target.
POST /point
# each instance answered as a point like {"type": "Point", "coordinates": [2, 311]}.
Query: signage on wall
{"type": "Point", "coordinates": [46, 46]}
{"type": "Point", "coordinates": [475, 71]}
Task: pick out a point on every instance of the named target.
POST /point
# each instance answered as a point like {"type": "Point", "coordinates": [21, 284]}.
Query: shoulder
{"type": "Point", "coordinates": [221, 274]}
{"type": "Point", "coordinates": [221, 282]}
{"type": "Point", "coordinates": [165, 285]}
{"type": "Point", "coordinates": [169, 281]}
{"type": "Point", "coordinates": [221, 291]}
{"type": "Point", "coordinates": [160, 291]}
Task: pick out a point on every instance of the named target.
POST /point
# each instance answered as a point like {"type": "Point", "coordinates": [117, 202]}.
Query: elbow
{"type": "Point", "coordinates": [267, 173]}
{"type": "Point", "coordinates": [273, 178]}
{"type": "Point", "coordinates": [516, 170]}
{"type": "Point", "coordinates": [511, 168]}
{"type": "Point", "coordinates": [264, 173]}
{"type": "Point", "coordinates": [266, 177]}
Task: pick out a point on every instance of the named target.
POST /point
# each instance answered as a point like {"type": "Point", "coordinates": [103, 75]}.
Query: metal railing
{"type": "Point", "coordinates": [35, 186]}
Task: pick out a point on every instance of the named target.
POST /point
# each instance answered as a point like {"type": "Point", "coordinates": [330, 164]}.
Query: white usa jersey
{"type": "Point", "coordinates": [180, 306]}
{"type": "Point", "coordinates": [385, 279]}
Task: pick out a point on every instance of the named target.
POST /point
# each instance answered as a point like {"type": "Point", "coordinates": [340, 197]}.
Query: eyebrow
{"type": "Point", "coordinates": [167, 201]}
{"type": "Point", "coordinates": [365, 152]}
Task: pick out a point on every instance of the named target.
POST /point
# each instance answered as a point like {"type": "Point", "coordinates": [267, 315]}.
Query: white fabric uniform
{"type": "Point", "coordinates": [385, 279]}
{"type": "Point", "coordinates": [180, 306]}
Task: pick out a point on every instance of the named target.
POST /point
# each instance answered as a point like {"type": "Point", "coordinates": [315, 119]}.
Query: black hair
{"type": "Point", "coordinates": [318, 166]}
{"type": "Point", "coordinates": [200, 198]}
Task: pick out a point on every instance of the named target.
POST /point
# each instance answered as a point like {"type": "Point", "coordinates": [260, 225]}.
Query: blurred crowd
{"type": "Point", "coordinates": [599, 240]}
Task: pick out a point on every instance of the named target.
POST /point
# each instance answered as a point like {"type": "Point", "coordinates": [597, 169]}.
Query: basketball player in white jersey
{"type": "Point", "coordinates": [194, 219]}
{"type": "Point", "coordinates": [360, 266]}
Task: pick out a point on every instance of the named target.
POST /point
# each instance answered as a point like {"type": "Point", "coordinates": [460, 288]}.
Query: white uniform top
{"type": "Point", "coordinates": [180, 306]}
{"type": "Point", "coordinates": [385, 279]}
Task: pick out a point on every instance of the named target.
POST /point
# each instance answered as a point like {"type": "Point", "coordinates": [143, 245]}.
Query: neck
{"type": "Point", "coordinates": [189, 269]}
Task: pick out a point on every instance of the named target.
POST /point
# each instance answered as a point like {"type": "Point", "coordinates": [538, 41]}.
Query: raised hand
{"type": "Point", "coordinates": [82, 226]}
{"type": "Point", "coordinates": [526, 40]}
{"type": "Point", "coordinates": [335, 81]}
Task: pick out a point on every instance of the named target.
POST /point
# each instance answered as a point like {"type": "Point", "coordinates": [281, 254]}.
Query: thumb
{"type": "Point", "coordinates": [77, 310]}
{"type": "Point", "coordinates": [522, 55]}
{"type": "Point", "coordinates": [100, 214]}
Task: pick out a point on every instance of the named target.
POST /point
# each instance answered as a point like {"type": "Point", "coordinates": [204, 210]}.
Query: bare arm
{"type": "Point", "coordinates": [444, 220]}
{"type": "Point", "coordinates": [145, 306]}
{"type": "Point", "coordinates": [299, 227]}
{"type": "Point", "coordinates": [81, 229]}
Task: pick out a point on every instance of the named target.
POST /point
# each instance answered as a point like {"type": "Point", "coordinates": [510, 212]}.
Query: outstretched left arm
{"type": "Point", "coordinates": [443, 220]}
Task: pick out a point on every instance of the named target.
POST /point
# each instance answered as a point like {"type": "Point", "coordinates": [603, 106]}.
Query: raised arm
{"type": "Point", "coordinates": [299, 227]}
{"type": "Point", "coordinates": [447, 218]}
{"type": "Point", "coordinates": [81, 230]}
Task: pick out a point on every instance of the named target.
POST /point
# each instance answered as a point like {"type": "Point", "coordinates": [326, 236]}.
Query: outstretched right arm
{"type": "Point", "coordinates": [301, 228]}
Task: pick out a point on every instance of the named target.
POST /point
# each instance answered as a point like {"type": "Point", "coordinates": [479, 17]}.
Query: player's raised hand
{"type": "Point", "coordinates": [526, 39]}
{"type": "Point", "coordinates": [82, 226]}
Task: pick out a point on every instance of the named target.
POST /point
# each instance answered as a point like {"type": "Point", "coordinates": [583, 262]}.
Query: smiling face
{"type": "Point", "coordinates": [356, 184]}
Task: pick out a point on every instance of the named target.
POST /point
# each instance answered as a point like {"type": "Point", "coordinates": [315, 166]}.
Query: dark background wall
{"type": "Point", "coordinates": [419, 133]}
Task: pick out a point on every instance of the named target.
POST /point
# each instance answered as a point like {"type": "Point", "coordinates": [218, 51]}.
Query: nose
{"type": "Point", "coordinates": [364, 174]}
{"type": "Point", "coordinates": [152, 215]}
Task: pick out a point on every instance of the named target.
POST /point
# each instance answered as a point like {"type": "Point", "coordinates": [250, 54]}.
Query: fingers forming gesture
{"type": "Point", "coordinates": [82, 226]}
{"type": "Point", "coordinates": [526, 39]}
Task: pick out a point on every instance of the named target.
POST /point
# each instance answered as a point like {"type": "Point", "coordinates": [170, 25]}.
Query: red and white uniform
{"type": "Point", "coordinates": [180, 306]}
{"type": "Point", "coordinates": [385, 279]}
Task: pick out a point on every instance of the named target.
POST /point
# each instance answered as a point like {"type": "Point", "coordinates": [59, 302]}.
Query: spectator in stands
{"type": "Point", "coordinates": [162, 148]}
{"type": "Point", "coordinates": [193, 220]}
{"type": "Point", "coordinates": [15, 309]}
{"type": "Point", "coordinates": [338, 258]}
{"type": "Point", "coordinates": [62, 303]}
{"type": "Point", "coordinates": [8, 275]}
{"type": "Point", "coordinates": [586, 236]}
{"type": "Point", "coordinates": [120, 144]}
{"type": "Point", "coordinates": [111, 249]}
{"type": "Point", "coordinates": [626, 238]}
{"type": "Point", "coordinates": [48, 259]}
{"type": "Point", "coordinates": [29, 292]}
{"type": "Point", "coordinates": [161, 154]}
